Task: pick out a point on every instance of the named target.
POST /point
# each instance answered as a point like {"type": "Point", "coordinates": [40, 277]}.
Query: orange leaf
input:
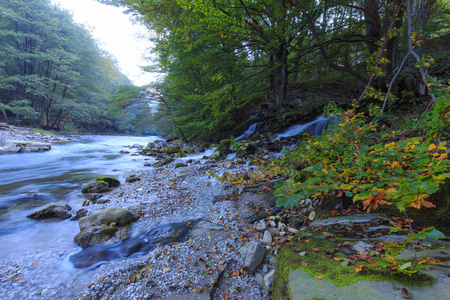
{"type": "Point", "coordinates": [319, 277]}
{"type": "Point", "coordinates": [337, 258]}
{"type": "Point", "coordinates": [340, 194]}
{"type": "Point", "coordinates": [102, 278]}
{"type": "Point", "coordinates": [360, 268]}
{"type": "Point", "coordinates": [315, 249]}
{"type": "Point", "coordinates": [225, 297]}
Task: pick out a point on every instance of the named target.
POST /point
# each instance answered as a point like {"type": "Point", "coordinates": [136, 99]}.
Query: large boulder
{"type": "Point", "coordinates": [116, 215]}
{"type": "Point", "coordinates": [52, 210]}
{"type": "Point", "coordinates": [95, 235]}
{"type": "Point", "coordinates": [95, 187]}
{"type": "Point", "coordinates": [25, 146]}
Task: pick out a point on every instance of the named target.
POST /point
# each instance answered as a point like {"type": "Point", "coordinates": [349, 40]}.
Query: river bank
{"type": "Point", "coordinates": [14, 133]}
{"type": "Point", "coordinates": [207, 265]}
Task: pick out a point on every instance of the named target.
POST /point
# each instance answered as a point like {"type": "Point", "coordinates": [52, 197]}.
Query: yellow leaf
{"type": "Point", "coordinates": [325, 171]}
{"type": "Point", "coordinates": [166, 269]}
{"type": "Point", "coordinates": [194, 290]}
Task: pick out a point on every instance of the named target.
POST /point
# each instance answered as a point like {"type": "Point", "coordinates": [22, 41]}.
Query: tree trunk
{"type": "Point", "coordinates": [281, 76]}
{"type": "Point", "coordinates": [372, 24]}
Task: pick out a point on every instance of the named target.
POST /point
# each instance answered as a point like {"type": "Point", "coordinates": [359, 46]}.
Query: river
{"type": "Point", "coordinates": [30, 180]}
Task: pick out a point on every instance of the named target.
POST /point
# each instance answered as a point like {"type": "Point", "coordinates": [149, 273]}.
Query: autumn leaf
{"type": "Point", "coordinates": [360, 268]}
{"type": "Point", "coordinates": [339, 194]}
{"type": "Point", "coordinates": [225, 297]}
{"type": "Point", "coordinates": [337, 258]}
{"type": "Point", "coordinates": [166, 269]}
{"type": "Point", "coordinates": [319, 277]}
{"type": "Point", "coordinates": [102, 278]}
{"type": "Point", "coordinates": [315, 249]}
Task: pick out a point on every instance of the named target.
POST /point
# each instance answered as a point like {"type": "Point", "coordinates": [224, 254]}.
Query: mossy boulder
{"type": "Point", "coordinates": [95, 235]}
{"type": "Point", "coordinates": [132, 178]}
{"type": "Point", "coordinates": [95, 187]}
{"type": "Point", "coordinates": [245, 149]}
{"type": "Point", "coordinates": [320, 251]}
{"type": "Point", "coordinates": [116, 215]}
{"type": "Point", "coordinates": [164, 162]}
{"type": "Point", "coordinates": [112, 182]}
{"type": "Point", "coordinates": [223, 149]}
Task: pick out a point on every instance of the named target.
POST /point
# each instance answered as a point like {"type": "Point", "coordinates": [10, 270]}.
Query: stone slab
{"type": "Point", "coordinates": [302, 286]}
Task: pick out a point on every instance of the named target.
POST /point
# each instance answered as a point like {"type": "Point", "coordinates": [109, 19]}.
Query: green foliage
{"type": "Point", "coordinates": [52, 73]}
{"type": "Point", "coordinates": [404, 172]}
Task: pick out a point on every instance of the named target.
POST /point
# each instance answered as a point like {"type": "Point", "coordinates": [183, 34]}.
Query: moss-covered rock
{"type": "Point", "coordinates": [95, 187]}
{"type": "Point", "coordinates": [112, 182]}
{"type": "Point", "coordinates": [245, 149]}
{"type": "Point", "coordinates": [164, 162]}
{"type": "Point", "coordinates": [223, 149]}
{"type": "Point", "coordinates": [298, 255]}
{"type": "Point", "coordinates": [132, 178]}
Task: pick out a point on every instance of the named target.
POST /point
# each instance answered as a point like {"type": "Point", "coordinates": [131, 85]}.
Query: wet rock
{"type": "Point", "coordinates": [93, 196]}
{"type": "Point", "coordinates": [164, 234]}
{"type": "Point", "coordinates": [111, 181]}
{"type": "Point", "coordinates": [103, 201]}
{"type": "Point", "coordinates": [25, 146]}
{"type": "Point", "coordinates": [116, 215]}
{"type": "Point", "coordinates": [180, 165]}
{"type": "Point", "coordinates": [95, 187]}
{"type": "Point", "coordinates": [52, 210]}
{"type": "Point", "coordinates": [164, 162]}
{"type": "Point", "coordinates": [253, 254]}
{"type": "Point", "coordinates": [132, 178]}
{"type": "Point", "coordinates": [245, 149]}
{"type": "Point", "coordinates": [80, 213]}
{"type": "Point", "coordinates": [94, 235]}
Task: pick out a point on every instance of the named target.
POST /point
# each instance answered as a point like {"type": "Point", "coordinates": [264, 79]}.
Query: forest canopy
{"type": "Point", "coordinates": [53, 75]}
{"type": "Point", "coordinates": [223, 59]}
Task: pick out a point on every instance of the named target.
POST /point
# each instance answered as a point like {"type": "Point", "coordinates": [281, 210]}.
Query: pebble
{"type": "Point", "coordinates": [267, 238]}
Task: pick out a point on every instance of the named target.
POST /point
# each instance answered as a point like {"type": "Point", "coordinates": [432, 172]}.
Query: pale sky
{"type": "Point", "coordinates": [116, 33]}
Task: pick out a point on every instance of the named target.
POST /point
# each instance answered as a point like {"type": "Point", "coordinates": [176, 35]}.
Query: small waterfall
{"type": "Point", "coordinates": [314, 128]}
{"type": "Point", "coordinates": [251, 130]}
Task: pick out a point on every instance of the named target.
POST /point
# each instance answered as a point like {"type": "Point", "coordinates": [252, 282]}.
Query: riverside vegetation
{"type": "Point", "coordinates": [386, 151]}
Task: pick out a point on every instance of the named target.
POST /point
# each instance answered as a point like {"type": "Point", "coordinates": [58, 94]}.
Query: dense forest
{"type": "Point", "coordinates": [53, 75]}
{"type": "Point", "coordinates": [225, 60]}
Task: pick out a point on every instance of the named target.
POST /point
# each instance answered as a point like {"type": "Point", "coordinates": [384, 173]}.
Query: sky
{"type": "Point", "coordinates": [116, 32]}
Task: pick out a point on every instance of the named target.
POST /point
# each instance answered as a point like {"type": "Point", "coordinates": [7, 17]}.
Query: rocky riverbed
{"type": "Point", "coordinates": [211, 262]}
{"type": "Point", "coordinates": [14, 133]}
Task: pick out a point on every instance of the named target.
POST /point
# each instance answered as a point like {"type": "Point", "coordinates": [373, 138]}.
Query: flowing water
{"type": "Point", "coordinates": [30, 180]}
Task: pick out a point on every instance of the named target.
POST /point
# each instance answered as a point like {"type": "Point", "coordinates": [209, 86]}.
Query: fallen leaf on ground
{"type": "Point", "coordinates": [166, 269]}
{"type": "Point", "coordinates": [319, 277]}
{"type": "Point", "coordinates": [360, 268]}
{"type": "Point", "coordinates": [315, 249]}
{"type": "Point", "coordinates": [337, 258]}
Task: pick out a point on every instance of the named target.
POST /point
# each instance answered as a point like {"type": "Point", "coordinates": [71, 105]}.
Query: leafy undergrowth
{"type": "Point", "coordinates": [322, 252]}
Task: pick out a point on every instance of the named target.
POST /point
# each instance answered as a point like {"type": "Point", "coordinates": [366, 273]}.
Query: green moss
{"type": "Point", "coordinates": [111, 181]}
{"type": "Point", "coordinates": [42, 131]}
{"type": "Point", "coordinates": [320, 265]}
